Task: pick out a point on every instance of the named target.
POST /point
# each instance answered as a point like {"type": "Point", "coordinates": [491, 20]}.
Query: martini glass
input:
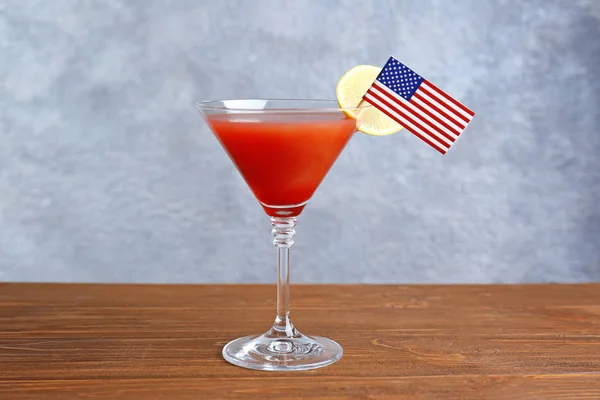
{"type": "Point", "coordinates": [283, 149]}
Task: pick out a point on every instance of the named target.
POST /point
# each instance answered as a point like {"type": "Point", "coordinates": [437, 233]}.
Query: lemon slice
{"type": "Point", "coordinates": [350, 90]}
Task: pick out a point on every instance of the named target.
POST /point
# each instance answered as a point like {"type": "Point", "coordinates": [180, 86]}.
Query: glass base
{"type": "Point", "coordinates": [269, 352]}
{"type": "Point", "coordinates": [280, 211]}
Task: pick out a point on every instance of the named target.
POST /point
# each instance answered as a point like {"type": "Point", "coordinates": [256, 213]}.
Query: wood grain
{"type": "Point", "coordinates": [62, 341]}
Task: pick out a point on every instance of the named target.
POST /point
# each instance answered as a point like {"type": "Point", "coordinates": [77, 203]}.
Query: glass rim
{"type": "Point", "coordinates": [219, 105]}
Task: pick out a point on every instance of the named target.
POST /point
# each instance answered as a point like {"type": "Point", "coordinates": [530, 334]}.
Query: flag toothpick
{"type": "Point", "coordinates": [418, 105]}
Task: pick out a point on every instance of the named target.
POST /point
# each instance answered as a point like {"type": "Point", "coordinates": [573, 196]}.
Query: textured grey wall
{"type": "Point", "coordinates": [107, 173]}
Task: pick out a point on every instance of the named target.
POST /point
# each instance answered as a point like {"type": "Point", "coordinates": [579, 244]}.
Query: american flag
{"type": "Point", "coordinates": [418, 105]}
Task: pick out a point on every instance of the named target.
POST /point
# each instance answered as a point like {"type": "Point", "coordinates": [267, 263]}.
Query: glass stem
{"type": "Point", "coordinates": [283, 233]}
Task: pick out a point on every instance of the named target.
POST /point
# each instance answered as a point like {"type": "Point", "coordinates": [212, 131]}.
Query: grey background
{"type": "Point", "coordinates": [107, 173]}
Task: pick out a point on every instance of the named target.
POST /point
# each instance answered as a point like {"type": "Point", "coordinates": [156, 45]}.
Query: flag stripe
{"type": "Point", "coordinates": [430, 110]}
{"type": "Point", "coordinates": [430, 102]}
{"type": "Point", "coordinates": [431, 115]}
{"type": "Point", "coordinates": [421, 113]}
{"type": "Point", "coordinates": [444, 105]}
{"type": "Point", "coordinates": [435, 102]}
{"type": "Point", "coordinates": [406, 111]}
{"type": "Point", "coordinates": [469, 113]}
{"type": "Point", "coordinates": [410, 118]}
{"type": "Point", "coordinates": [406, 124]}
{"type": "Point", "coordinates": [437, 146]}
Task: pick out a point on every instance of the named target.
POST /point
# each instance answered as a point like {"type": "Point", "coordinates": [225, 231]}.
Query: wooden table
{"type": "Point", "coordinates": [67, 341]}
